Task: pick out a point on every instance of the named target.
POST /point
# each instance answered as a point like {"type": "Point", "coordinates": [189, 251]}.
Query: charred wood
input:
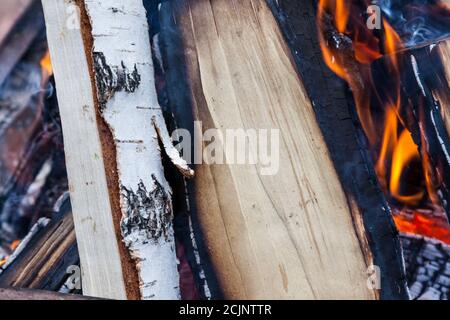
{"type": "Point", "coordinates": [345, 140]}
{"type": "Point", "coordinates": [428, 267]}
{"type": "Point", "coordinates": [43, 257]}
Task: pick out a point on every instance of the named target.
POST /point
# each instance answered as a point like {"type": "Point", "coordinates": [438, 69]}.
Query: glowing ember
{"type": "Point", "coordinates": [14, 245]}
{"type": "Point", "coordinates": [423, 224]}
{"type": "Point", "coordinates": [3, 261]}
{"type": "Point", "coordinates": [404, 171]}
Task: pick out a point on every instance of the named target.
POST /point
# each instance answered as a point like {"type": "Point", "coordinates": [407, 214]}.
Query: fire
{"type": "Point", "coordinates": [46, 64]}
{"type": "Point", "coordinates": [13, 246]}
{"type": "Point", "coordinates": [3, 261]}
{"type": "Point", "coordinates": [350, 49]}
{"type": "Point", "coordinates": [342, 15]}
{"type": "Point", "coordinates": [405, 151]}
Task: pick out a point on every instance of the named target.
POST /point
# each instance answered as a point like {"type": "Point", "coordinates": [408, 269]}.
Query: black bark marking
{"type": "Point", "coordinates": [112, 79]}
{"type": "Point", "coordinates": [149, 213]}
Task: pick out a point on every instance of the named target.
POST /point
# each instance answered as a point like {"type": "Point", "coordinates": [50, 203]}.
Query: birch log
{"type": "Point", "coordinates": [128, 102]}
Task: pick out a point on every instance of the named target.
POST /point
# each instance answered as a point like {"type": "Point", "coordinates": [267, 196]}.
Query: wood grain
{"type": "Point", "coordinates": [39, 295]}
{"type": "Point", "coordinates": [289, 235]}
{"type": "Point", "coordinates": [43, 263]}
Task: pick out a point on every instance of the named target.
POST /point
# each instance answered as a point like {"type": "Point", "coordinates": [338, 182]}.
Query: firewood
{"type": "Point", "coordinates": [414, 83]}
{"type": "Point", "coordinates": [40, 295]}
{"type": "Point", "coordinates": [127, 100]}
{"type": "Point", "coordinates": [124, 95]}
{"type": "Point", "coordinates": [289, 235]}
{"type": "Point", "coordinates": [96, 234]}
{"type": "Point", "coordinates": [43, 257]}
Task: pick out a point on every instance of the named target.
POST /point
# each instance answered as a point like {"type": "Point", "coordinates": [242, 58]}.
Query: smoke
{"type": "Point", "coordinates": [418, 22]}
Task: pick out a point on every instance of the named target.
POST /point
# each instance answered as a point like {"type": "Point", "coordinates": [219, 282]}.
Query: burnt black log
{"type": "Point", "coordinates": [345, 139]}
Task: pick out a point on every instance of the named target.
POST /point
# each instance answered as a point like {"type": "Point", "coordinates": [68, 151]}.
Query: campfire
{"type": "Point", "coordinates": [386, 77]}
{"type": "Point", "coordinates": [390, 108]}
{"type": "Point", "coordinates": [357, 92]}
{"type": "Point", "coordinates": [33, 179]}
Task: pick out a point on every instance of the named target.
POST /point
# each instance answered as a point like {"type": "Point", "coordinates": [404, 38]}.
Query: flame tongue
{"type": "Point", "coordinates": [46, 64]}
{"type": "Point", "coordinates": [349, 49]}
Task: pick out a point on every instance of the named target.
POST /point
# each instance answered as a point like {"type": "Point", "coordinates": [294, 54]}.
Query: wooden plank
{"type": "Point", "coordinates": [39, 295]}
{"type": "Point", "coordinates": [43, 261]}
{"type": "Point", "coordinates": [97, 242]}
{"type": "Point", "coordinates": [287, 235]}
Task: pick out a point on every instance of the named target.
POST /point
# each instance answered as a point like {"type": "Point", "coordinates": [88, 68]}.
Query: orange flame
{"type": "Point", "coordinates": [328, 55]}
{"type": "Point", "coordinates": [14, 245]}
{"type": "Point", "coordinates": [3, 261]}
{"type": "Point", "coordinates": [388, 143]}
{"type": "Point", "coordinates": [342, 15]}
{"type": "Point", "coordinates": [405, 151]}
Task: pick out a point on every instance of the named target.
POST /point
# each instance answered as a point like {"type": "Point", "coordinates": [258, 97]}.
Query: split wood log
{"type": "Point", "coordinates": [42, 259]}
{"type": "Point", "coordinates": [40, 295]}
{"type": "Point", "coordinates": [299, 31]}
{"type": "Point", "coordinates": [101, 263]}
{"type": "Point", "coordinates": [118, 52]}
{"type": "Point", "coordinates": [288, 235]}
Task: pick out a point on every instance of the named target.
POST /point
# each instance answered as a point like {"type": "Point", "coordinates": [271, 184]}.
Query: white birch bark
{"type": "Point", "coordinates": [128, 101]}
